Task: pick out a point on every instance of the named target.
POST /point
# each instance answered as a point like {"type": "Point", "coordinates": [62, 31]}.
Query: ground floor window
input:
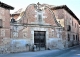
{"type": "Point", "coordinates": [76, 37]}
{"type": "Point", "coordinates": [73, 37]}
{"type": "Point", "coordinates": [0, 23]}
{"type": "Point", "coordinates": [68, 37]}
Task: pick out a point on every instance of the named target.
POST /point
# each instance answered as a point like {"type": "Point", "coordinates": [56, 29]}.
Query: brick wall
{"type": "Point", "coordinates": [5, 30]}
{"type": "Point", "coordinates": [68, 20]}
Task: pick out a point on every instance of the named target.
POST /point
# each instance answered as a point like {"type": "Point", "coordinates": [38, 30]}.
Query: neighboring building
{"type": "Point", "coordinates": [79, 33]}
{"type": "Point", "coordinates": [70, 24]}
{"type": "Point", "coordinates": [46, 26]}
{"type": "Point", "coordinates": [4, 26]}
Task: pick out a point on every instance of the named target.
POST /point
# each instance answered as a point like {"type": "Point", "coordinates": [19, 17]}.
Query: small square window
{"type": "Point", "coordinates": [0, 23]}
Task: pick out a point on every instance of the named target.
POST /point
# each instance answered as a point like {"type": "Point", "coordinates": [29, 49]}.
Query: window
{"type": "Point", "coordinates": [39, 16]}
{"type": "Point", "coordinates": [52, 32]}
{"type": "Point", "coordinates": [0, 23]}
{"type": "Point", "coordinates": [72, 23]}
{"type": "Point", "coordinates": [73, 37]}
{"type": "Point", "coordinates": [68, 37]}
{"type": "Point", "coordinates": [2, 11]}
{"type": "Point", "coordinates": [75, 25]}
{"type": "Point", "coordinates": [15, 34]}
{"type": "Point", "coordinates": [2, 32]}
{"type": "Point", "coordinates": [68, 28]}
{"type": "Point", "coordinates": [76, 37]}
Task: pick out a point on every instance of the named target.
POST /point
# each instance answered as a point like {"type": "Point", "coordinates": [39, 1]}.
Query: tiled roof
{"type": "Point", "coordinates": [20, 11]}
{"type": "Point", "coordinates": [67, 9]}
{"type": "Point", "coordinates": [6, 6]}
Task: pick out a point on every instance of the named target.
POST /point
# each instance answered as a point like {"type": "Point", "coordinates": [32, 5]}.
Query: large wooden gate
{"type": "Point", "coordinates": [40, 40]}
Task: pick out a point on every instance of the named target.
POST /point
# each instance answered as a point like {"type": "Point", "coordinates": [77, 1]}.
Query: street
{"type": "Point", "coordinates": [71, 52]}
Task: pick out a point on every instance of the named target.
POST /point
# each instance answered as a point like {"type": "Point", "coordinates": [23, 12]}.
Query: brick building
{"type": "Point", "coordinates": [4, 26]}
{"type": "Point", "coordinates": [71, 24]}
{"type": "Point", "coordinates": [46, 26]}
{"type": "Point", "coordinates": [79, 33]}
{"type": "Point", "coordinates": [39, 25]}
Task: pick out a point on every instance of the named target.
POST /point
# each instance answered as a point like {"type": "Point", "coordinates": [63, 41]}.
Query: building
{"type": "Point", "coordinates": [4, 26]}
{"type": "Point", "coordinates": [79, 33]}
{"type": "Point", "coordinates": [70, 24]}
{"type": "Point", "coordinates": [44, 26]}
{"type": "Point", "coordinates": [37, 27]}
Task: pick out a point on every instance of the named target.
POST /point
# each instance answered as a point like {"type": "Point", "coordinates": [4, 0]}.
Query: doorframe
{"type": "Point", "coordinates": [44, 39]}
{"type": "Point", "coordinates": [40, 29]}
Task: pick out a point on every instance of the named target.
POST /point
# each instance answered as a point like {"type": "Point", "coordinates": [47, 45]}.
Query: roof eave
{"type": "Point", "coordinates": [67, 9]}
{"type": "Point", "coordinates": [6, 6]}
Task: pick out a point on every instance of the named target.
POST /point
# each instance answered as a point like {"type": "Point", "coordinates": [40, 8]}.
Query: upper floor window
{"type": "Point", "coordinates": [72, 23]}
{"type": "Point", "coordinates": [39, 16]}
{"type": "Point", "coordinates": [68, 28]}
{"type": "Point", "coordinates": [0, 23]}
{"type": "Point", "coordinates": [75, 25]}
{"type": "Point", "coordinates": [2, 11]}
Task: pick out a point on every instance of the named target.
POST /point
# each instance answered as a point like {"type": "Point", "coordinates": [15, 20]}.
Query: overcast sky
{"type": "Point", "coordinates": [74, 5]}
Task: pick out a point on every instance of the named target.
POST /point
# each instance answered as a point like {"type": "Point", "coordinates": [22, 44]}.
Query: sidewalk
{"type": "Point", "coordinates": [45, 53]}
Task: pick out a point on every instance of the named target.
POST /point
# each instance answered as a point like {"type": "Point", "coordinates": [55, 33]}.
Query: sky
{"type": "Point", "coordinates": [74, 5]}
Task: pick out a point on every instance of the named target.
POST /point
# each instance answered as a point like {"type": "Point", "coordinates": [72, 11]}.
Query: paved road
{"type": "Point", "coordinates": [72, 53]}
{"type": "Point", "coordinates": [31, 54]}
